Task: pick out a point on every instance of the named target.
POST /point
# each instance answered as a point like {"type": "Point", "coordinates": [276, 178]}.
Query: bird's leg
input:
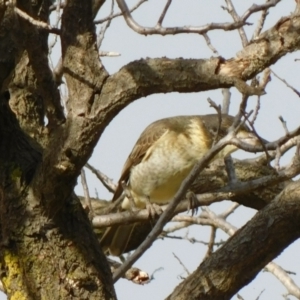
{"type": "Point", "coordinates": [193, 201]}
{"type": "Point", "coordinates": [153, 209]}
{"type": "Point", "coordinates": [128, 195]}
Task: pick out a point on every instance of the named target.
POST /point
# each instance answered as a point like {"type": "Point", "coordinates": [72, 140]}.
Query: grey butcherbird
{"type": "Point", "coordinates": [161, 159]}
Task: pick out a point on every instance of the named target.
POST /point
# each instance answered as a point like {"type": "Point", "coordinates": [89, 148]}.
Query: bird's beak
{"type": "Point", "coordinates": [251, 138]}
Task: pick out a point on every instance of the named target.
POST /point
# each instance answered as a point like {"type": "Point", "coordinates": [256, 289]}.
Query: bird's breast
{"type": "Point", "coordinates": [164, 167]}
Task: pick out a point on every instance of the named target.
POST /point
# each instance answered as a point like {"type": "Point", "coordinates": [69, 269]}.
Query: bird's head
{"type": "Point", "coordinates": [244, 134]}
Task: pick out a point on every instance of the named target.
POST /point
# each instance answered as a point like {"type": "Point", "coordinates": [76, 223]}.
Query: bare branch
{"type": "Point", "coordinates": [109, 53]}
{"type": "Point", "coordinates": [271, 267]}
{"type": "Point", "coordinates": [103, 30]}
{"type": "Point", "coordinates": [163, 14]}
{"type": "Point", "coordinates": [284, 278]}
{"type": "Point", "coordinates": [286, 83]}
{"type": "Point", "coordinates": [203, 74]}
{"type": "Point", "coordinates": [177, 226]}
{"type": "Point", "coordinates": [260, 139]}
{"type": "Point", "coordinates": [218, 109]}
{"type": "Point", "coordinates": [229, 166]}
{"type": "Point", "coordinates": [181, 263]}
{"type": "Point", "coordinates": [189, 29]}
{"type": "Point", "coordinates": [226, 101]}
{"type": "Point", "coordinates": [283, 122]}
{"type": "Point", "coordinates": [224, 215]}
{"type": "Point", "coordinates": [191, 240]}
{"type": "Point", "coordinates": [120, 14]}
{"type": "Point", "coordinates": [255, 8]}
{"type": "Point", "coordinates": [256, 110]}
{"type": "Point", "coordinates": [226, 192]}
{"type": "Point", "coordinates": [174, 30]}
{"type": "Point", "coordinates": [209, 44]}
{"type": "Point", "coordinates": [37, 23]}
{"type": "Point", "coordinates": [277, 159]}
{"type": "Point", "coordinates": [236, 18]}
{"type": "Point", "coordinates": [87, 194]}
{"type": "Point", "coordinates": [210, 246]}
{"type": "Point", "coordinates": [260, 23]}
{"type": "Point", "coordinates": [107, 182]}
{"type": "Point", "coordinates": [283, 140]}
{"type": "Point", "coordinates": [283, 149]}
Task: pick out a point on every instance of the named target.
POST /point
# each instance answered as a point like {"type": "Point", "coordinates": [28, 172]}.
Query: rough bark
{"type": "Point", "coordinates": [45, 253]}
{"type": "Point", "coordinates": [48, 249]}
{"type": "Point", "coordinates": [237, 263]}
{"type": "Point", "coordinates": [42, 255]}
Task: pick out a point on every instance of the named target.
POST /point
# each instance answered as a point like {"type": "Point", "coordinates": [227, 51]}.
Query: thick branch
{"type": "Point", "coordinates": [162, 75]}
{"type": "Point", "coordinates": [41, 84]}
{"type": "Point", "coordinates": [75, 140]}
{"type": "Point", "coordinates": [234, 265]}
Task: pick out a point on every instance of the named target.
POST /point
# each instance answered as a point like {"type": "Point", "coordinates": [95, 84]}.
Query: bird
{"type": "Point", "coordinates": [161, 159]}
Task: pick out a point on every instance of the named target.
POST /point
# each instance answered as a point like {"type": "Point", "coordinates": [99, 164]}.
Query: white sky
{"type": "Point", "coordinates": [119, 137]}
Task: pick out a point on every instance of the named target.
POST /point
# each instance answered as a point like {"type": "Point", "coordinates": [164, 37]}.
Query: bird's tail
{"type": "Point", "coordinates": [115, 239]}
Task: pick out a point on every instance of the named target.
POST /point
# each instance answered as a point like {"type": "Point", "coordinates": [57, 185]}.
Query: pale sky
{"type": "Point", "coordinates": [119, 137]}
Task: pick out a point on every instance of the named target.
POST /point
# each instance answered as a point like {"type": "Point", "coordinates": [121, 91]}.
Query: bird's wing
{"type": "Point", "coordinates": [148, 137]}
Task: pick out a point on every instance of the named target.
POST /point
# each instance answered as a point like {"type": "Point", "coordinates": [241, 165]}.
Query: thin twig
{"type": "Point", "coordinates": [175, 30]}
{"type": "Point", "coordinates": [255, 8]}
{"type": "Point", "coordinates": [218, 109]}
{"type": "Point", "coordinates": [236, 18]}
{"type": "Point", "coordinates": [257, 298]}
{"type": "Point", "coordinates": [292, 142]}
{"type": "Point", "coordinates": [107, 182]}
{"type": "Point", "coordinates": [229, 167]}
{"type": "Point", "coordinates": [266, 78]}
{"type": "Point", "coordinates": [210, 247]}
{"type": "Point", "coordinates": [262, 142]}
{"type": "Point", "coordinates": [260, 23]}
{"type": "Point", "coordinates": [239, 297]}
{"type": "Point", "coordinates": [175, 227]}
{"type": "Point", "coordinates": [109, 53]}
{"type": "Point", "coordinates": [277, 159]}
{"type": "Point", "coordinates": [225, 214]}
{"type": "Point", "coordinates": [37, 23]}
{"type": "Point", "coordinates": [119, 14]}
{"type": "Point", "coordinates": [103, 30]}
{"type": "Point", "coordinates": [226, 192]}
{"type": "Point", "coordinates": [209, 44]}
{"type": "Point", "coordinates": [226, 101]}
{"type": "Point", "coordinates": [190, 29]}
{"type": "Point", "coordinates": [288, 85]}
{"type": "Point", "coordinates": [192, 240]}
{"type": "Point", "coordinates": [256, 110]}
{"type": "Point", "coordinates": [182, 264]}
{"type": "Point", "coordinates": [283, 122]}
{"type": "Point", "coordinates": [87, 194]}
{"type": "Point", "coordinates": [163, 14]}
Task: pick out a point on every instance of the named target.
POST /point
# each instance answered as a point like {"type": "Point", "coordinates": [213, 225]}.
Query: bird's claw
{"type": "Point", "coordinates": [154, 210]}
{"type": "Point", "coordinates": [193, 201]}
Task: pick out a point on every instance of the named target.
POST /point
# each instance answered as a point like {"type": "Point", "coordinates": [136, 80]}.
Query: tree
{"type": "Point", "coordinates": [48, 246]}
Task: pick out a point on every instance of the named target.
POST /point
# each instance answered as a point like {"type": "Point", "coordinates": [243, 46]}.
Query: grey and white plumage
{"type": "Point", "coordinates": [162, 157]}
